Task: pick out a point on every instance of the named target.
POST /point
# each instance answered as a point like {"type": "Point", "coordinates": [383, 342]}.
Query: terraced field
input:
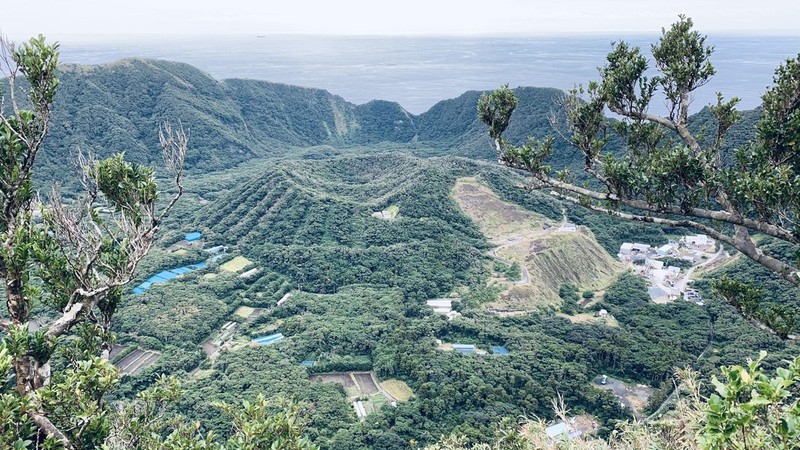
{"type": "Point", "coordinates": [137, 360]}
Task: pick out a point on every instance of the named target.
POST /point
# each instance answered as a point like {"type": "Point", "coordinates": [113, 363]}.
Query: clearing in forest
{"type": "Point", "coordinates": [137, 360]}
{"type": "Point", "coordinates": [548, 252]}
{"type": "Point", "coordinates": [236, 264]}
{"type": "Point", "coordinates": [397, 389]}
{"type": "Point", "coordinates": [244, 311]}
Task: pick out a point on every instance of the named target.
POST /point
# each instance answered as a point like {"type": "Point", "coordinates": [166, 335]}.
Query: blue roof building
{"type": "Point", "coordinates": [267, 340]}
{"type": "Point", "coordinates": [194, 236]}
{"type": "Point", "coordinates": [166, 275]}
{"type": "Point", "coordinates": [500, 350]}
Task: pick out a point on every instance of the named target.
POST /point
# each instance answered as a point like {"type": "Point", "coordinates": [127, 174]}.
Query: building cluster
{"type": "Point", "coordinates": [667, 283]}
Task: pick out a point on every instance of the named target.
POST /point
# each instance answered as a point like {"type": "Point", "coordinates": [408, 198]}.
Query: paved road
{"type": "Point", "coordinates": [681, 284]}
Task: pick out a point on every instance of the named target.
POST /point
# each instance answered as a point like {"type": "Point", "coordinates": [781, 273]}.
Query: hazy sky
{"type": "Point", "coordinates": [54, 18]}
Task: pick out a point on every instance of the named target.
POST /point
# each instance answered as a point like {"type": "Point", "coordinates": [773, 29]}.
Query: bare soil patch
{"type": "Point", "coordinates": [365, 383]}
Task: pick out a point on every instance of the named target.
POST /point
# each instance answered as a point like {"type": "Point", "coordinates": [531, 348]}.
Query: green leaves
{"type": "Point", "coordinates": [495, 109]}
{"type": "Point", "coordinates": [529, 156]}
{"type": "Point", "coordinates": [751, 410]}
{"type": "Point", "coordinates": [129, 188]}
{"type": "Point", "coordinates": [38, 62]}
{"type": "Point", "coordinates": [682, 56]}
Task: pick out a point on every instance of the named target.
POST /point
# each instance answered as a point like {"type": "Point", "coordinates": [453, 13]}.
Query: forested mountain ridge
{"type": "Point", "coordinates": [118, 106]}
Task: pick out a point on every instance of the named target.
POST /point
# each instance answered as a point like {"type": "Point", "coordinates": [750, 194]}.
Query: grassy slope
{"type": "Point", "coordinates": [551, 257]}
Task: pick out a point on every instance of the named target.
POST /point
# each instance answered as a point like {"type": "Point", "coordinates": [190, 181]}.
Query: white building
{"type": "Point", "coordinates": [654, 264]}
{"type": "Point", "coordinates": [626, 248]}
{"type": "Point", "coordinates": [665, 250]}
{"type": "Point", "coordinates": [698, 240]}
{"type": "Point", "coordinates": [569, 227]}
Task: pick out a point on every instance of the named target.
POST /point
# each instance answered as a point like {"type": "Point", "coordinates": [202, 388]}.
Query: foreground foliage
{"type": "Point", "coordinates": [668, 174]}
{"type": "Point", "coordinates": [747, 410]}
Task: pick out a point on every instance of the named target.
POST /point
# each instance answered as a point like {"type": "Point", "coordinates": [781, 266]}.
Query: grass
{"type": "Point", "coordinates": [244, 311]}
{"type": "Point", "coordinates": [393, 211]}
{"type": "Point", "coordinates": [236, 264]}
{"type": "Point", "coordinates": [495, 218]}
{"type": "Point", "coordinates": [397, 389]}
{"type": "Point", "coordinates": [551, 257]}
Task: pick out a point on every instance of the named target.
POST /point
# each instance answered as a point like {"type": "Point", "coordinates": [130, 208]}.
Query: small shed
{"type": "Point", "coordinates": [267, 340]}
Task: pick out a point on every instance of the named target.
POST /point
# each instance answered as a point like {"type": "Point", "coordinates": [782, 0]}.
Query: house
{"type": "Point", "coordinates": [665, 250]}
{"type": "Point", "coordinates": [640, 248]}
{"type": "Point", "coordinates": [601, 313]}
{"type": "Point", "coordinates": [626, 248]}
{"type": "Point", "coordinates": [698, 240]}
{"type": "Point", "coordinates": [654, 264]}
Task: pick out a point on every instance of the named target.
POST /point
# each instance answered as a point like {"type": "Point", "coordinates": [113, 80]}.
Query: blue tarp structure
{"type": "Point", "coordinates": [193, 236]}
{"type": "Point", "coordinates": [308, 363]}
{"type": "Point", "coordinates": [266, 340]}
{"type": "Point", "coordinates": [500, 350]}
{"type": "Point", "coordinates": [166, 275]}
{"type": "Point", "coordinates": [464, 348]}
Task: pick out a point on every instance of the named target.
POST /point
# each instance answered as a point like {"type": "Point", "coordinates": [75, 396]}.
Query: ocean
{"type": "Point", "coordinates": [419, 71]}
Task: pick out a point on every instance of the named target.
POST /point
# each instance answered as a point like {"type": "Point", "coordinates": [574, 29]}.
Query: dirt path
{"type": "Point", "coordinates": [513, 240]}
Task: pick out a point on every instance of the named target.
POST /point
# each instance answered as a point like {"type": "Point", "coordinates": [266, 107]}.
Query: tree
{"type": "Point", "coordinates": [72, 260]}
{"type": "Point", "coordinates": [667, 175]}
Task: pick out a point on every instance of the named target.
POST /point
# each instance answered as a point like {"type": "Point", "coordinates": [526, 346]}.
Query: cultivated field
{"type": "Point", "coordinates": [634, 396]}
{"type": "Point", "coordinates": [244, 311]}
{"type": "Point", "coordinates": [236, 264]}
{"type": "Point", "coordinates": [344, 379]}
{"type": "Point", "coordinates": [137, 360]}
{"type": "Point", "coordinates": [397, 389]}
{"type": "Point", "coordinates": [590, 318]}
{"type": "Point", "coordinates": [365, 383]}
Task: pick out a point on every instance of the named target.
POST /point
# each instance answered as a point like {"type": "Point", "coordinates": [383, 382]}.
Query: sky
{"type": "Point", "coordinates": [60, 18]}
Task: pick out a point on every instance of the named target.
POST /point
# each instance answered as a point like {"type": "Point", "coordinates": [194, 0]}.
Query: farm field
{"type": "Point", "coordinates": [633, 396]}
{"type": "Point", "coordinates": [397, 389]}
{"type": "Point", "coordinates": [244, 311]}
{"type": "Point", "coordinates": [344, 379]}
{"type": "Point", "coordinates": [236, 264]}
{"type": "Point", "coordinates": [359, 385]}
{"type": "Point", "coordinates": [137, 361]}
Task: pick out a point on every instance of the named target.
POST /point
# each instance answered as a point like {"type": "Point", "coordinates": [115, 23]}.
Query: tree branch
{"type": "Point", "coordinates": [702, 213]}
{"type": "Point", "coordinates": [746, 246]}
{"type": "Point", "coordinates": [47, 427]}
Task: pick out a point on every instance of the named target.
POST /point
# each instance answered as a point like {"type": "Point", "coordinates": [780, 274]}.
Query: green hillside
{"type": "Point", "coordinates": [118, 107]}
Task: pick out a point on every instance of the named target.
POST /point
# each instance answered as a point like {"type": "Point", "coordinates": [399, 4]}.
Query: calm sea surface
{"type": "Point", "coordinates": [417, 72]}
